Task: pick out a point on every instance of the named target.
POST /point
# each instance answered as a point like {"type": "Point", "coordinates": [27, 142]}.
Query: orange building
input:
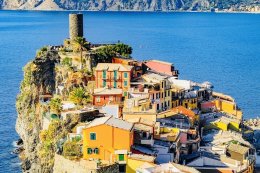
{"type": "Point", "coordinates": [108, 139]}
{"type": "Point", "coordinates": [113, 75]}
{"type": "Point", "coordinates": [103, 96]}
{"type": "Point", "coordinates": [137, 66]}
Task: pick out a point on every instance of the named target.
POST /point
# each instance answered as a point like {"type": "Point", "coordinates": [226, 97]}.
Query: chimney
{"type": "Point", "coordinates": [76, 25]}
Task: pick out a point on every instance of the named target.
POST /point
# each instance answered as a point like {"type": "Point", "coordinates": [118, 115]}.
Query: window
{"type": "Point", "coordinates": [162, 94]}
{"type": "Point", "coordinates": [158, 107]}
{"type": "Point", "coordinates": [96, 151]}
{"type": "Point", "coordinates": [104, 74]}
{"type": "Point", "coordinates": [121, 157]}
{"type": "Point", "coordinates": [162, 84]}
{"type": "Point", "coordinates": [125, 74]}
{"type": "Point", "coordinates": [125, 83]}
{"type": "Point", "coordinates": [98, 99]}
{"type": "Point", "coordinates": [89, 151]}
{"type": "Point", "coordinates": [125, 94]}
{"type": "Point", "coordinates": [104, 83]}
{"type": "Point", "coordinates": [92, 136]}
{"type": "Point", "coordinates": [165, 94]}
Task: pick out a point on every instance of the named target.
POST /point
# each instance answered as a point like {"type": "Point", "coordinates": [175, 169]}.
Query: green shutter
{"type": "Point", "coordinates": [89, 151]}
{"type": "Point", "coordinates": [104, 83]}
{"type": "Point", "coordinates": [104, 74]}
{"type": "Point", "coordinates": [125, 83]}
{"type": "Point", "coordinates": [92, 136]}
{"type": "Point", "coordinates": [121, 157]}
{"type": "Point", "coordinates": [115, 74]}
{"type": "Point", "coordinates": [125, 74]}
{"type": "Point", "coordinates": [96, 150]}
{"type": "Point", "coordinates": [115, 84]}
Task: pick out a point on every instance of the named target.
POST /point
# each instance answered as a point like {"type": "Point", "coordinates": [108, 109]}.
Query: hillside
{"type": "Point", "coordinates": [134, 5]}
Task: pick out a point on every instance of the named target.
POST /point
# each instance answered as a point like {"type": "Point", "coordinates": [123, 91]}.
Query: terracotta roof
{"type": "Point", "coordinates": [160, 66]}
{"type": "Point", "coordinates": [184, 111]}
{"type": "Point", "coordinates": [113, 67]}
{"type": "Point", "coordinates": [237, 148]}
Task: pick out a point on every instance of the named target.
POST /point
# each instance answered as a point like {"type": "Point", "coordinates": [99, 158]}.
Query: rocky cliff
{"type": "Point", "coordinates": [39, 77]}
{"type": "Point", "coordinates": [134, 5]}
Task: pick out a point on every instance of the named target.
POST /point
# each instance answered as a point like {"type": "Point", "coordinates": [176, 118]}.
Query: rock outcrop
{"type": "Point", "coordinates": [39, 77]}
{"type": "Point", "coordinates": [134, 5]}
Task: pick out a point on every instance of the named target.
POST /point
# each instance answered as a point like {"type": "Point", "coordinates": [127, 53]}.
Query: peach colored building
{"type": "Point", "coordinates": [112, 75]}
{"type": "Point", "coordinates": [103, 96]}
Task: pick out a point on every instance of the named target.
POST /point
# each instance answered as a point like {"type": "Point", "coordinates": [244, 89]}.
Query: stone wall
{"type": "Point", "coordinates": [63, 165]}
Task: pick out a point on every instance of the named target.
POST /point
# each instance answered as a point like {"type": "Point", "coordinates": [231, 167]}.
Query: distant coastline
{"type": "Point", "coordinates": [134, 11]}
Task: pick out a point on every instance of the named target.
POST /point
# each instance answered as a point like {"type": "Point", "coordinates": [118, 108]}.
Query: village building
{"type": "Point", "coordinates": [111, 75]}
{"type": "Point", "coordinates": [161, 67]}
{"type": "Point", "coordinates": [227, 104]}
{"type": "Point", "coordinates": [109, 139]}
{"type": "Point", "coordinates": [137, 66]}
{"type": "Point", "coordinates": [134, 161]}
{"type": "Point", "coordinates": [103, 96]}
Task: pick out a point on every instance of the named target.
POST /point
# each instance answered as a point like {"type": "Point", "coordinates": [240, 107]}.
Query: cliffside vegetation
{"type": "Point", "coordinates": [39, 100]}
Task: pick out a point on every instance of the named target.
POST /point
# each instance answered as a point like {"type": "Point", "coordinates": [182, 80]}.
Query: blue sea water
{"type": "Point", "coordinates": [221, 48]}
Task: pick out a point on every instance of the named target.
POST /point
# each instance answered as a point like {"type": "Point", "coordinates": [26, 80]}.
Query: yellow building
{"type": "Point", "coordinates": [225, 123]}
{"type": "Point", "coordinates": [107, 139]}
{"type": "Point", "coordinates": [160, 93]}
{"type": "Point", "coordinates": [227, 104]}
{"type": "Point", "coordinates": [178, 98]}
{"type": "Point", "coordinates": [134, 161]}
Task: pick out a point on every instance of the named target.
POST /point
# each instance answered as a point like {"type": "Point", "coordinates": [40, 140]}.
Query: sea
{"type": "Point", "coordinates": [222, 48]}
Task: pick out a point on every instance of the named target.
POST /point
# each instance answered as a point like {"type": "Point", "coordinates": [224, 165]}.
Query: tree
{"type": "Point", "coordinates": [79, 96]}
{"type": "Point", "coordinates": [81, 45]}
{"type": "Point", "coordinates": [106, 53]}
{"type": "Point", "coordinates": [56, 105]}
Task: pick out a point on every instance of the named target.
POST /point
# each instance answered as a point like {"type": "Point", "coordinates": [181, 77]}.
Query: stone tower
{"type": "Point", "coordinates": [76, 25]}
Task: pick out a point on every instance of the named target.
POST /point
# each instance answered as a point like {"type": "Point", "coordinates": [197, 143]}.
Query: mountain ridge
{"type": "Point", "coordinates": [134, 5]}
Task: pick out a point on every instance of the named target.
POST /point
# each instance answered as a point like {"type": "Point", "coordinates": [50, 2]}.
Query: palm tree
{"type": "Point", "coordinates": [81, 45]}
{"type": "Point", "coordinates": [79, 96]}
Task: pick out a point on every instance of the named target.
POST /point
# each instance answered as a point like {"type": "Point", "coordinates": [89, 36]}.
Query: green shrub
{"type": "Point", "coordinates": [67, 61]}
{"type": "Point", "coordinates": [72, 150]}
